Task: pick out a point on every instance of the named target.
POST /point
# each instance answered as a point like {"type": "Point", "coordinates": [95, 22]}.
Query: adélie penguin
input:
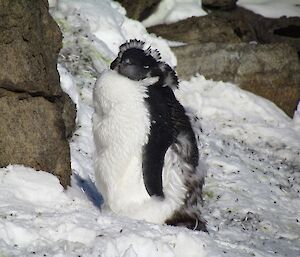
{"type": "Point", "coordinates": [146, 160]}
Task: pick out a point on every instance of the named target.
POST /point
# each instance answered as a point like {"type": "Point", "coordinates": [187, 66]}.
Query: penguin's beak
{"type": "Point", "coordinates": [114, 64]}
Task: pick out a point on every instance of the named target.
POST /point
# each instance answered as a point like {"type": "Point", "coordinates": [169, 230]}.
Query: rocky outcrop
{"type": "Point", "coordinates": [29, 44]}
{"type": "Point", "coordinates": [139, 9]}
{"type": "Point", "coordinates": [32, 133]}
{"type": "Point", "coordinates": [197, 30]}
{"type": "Point", "coordinates": [214, 49]}
{"type": "Point", "coordinates": [219, 4]}
{"type": "Point", "coordinates": [271, 70]}
{"type": "Point", "coordinates": [250, 26]}
{"type": "Point", "coordinates": [35, 115]}
{"type": "Point", "coordinates": [68, 112]}
{"type": "Point", "coordinates": [282, 30]}
{"type": "Point", "coordinates": [238, 25]}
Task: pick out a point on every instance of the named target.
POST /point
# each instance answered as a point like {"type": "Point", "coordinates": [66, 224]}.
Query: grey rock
{"type": "Point", "coordinates": [36, 117]}
{"type": "Point", "coordinates": [68, 109]}
{"type": "Point", "coordinates": [32, 133]}
{"type": "Point", "coordinates": [282, 30]}
{"type": "Point", "coordinates": [237, 25]}
{"type": "Point", "coordinates": [29, 45]}
{"type": "Point", "coordinates": [219, 4]}
{"type": "Point", "coordinates": [139, 9]}
{"type": "Point", "coordinates": [271, 70]}
{"type": "Point", "coordinates": [209, 28]}
{"type": "Point", "coordinates": [250, 26]}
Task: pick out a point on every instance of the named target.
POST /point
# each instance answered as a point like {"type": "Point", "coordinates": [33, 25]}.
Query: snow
{"type": "Point", "coordinates": [272, 8]}
{"type": "Point", "coordinates": [253, 152]}
{"type": "Point", "coordinates": [69, 224]}
{"type": "Point", "coordinates": [170, 11]}
{"type": "Point", "coordinates": [251, 148]}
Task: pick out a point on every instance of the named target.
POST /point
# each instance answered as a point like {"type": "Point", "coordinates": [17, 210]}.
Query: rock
{"type": "Point", "coordinates": [282, 30]}
{"type": "Point", "coordinates": [209, 28]}
{"type": "Point", "coordinates": [269, 74]}
{"type": "Point", "coordinates": [242, 21]}
{"type": "Point", "coordinates": [32, 133]}
{"type": "Point", "coordinates": [139, 9]}
{"type": "Point", "coordinates": [36, 117]}
{"type": "Point", "coordinates": [271, 70]}
{"type": "Point", "coordinates": [219, 4]}
{"type": "Point", "coordinates": [29, 45]}
{"type": "Point", "coordinates": [68, 108]}
{"type": "Point", "coordinates": [250, 26]}
{"type": "Point", "coordinates": [238, 25]}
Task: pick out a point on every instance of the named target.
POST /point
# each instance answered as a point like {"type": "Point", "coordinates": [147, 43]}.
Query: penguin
{"type": "Point", "coordinates": [147, 163]}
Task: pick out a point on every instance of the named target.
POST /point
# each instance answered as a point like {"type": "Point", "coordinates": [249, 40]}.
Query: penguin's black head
{"type": "Point", "coordinates": [136, 63]}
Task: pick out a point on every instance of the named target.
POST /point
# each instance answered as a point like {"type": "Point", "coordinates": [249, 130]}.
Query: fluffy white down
{"type": "Point", "coordinates": [121, 125]}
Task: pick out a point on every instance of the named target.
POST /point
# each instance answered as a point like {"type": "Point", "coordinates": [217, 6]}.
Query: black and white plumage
{"type": "Point", "coordinates": [147, 160]}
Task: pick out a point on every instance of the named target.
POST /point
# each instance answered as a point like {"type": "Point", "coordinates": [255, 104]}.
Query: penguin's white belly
{"type": "Point", "coordinates": [121, 126]}
{"type": "Point", "coordinates": [130, 190]}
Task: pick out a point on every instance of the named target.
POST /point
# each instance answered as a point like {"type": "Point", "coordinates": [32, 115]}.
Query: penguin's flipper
{"type": "Point", "coordinates": [160, 139]}
{"type": "Point", "coordinates": [153, 162]}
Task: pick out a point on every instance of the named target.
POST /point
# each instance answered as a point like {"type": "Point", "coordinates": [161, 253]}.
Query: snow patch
{"type": "Point", "coordinates": [40, 188]}
{"type": "Point", "coordinates": [170, 11]}
{"type": "Point", "coordinates": [16, 235]}
{"type": "Point", "coordinates": [272, 8]}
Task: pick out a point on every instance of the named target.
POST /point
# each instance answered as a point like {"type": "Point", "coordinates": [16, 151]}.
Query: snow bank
{"type": "Point", "coordinates": [105, 20]}
{"type": "Point", "coordinates": [253, 183]}
{"type": "Point", "coordinates": [170, 11]}
{"type": "Point", "coordinates": [39, 219]}
{"type": "Point", "coordinates": [272, 8]}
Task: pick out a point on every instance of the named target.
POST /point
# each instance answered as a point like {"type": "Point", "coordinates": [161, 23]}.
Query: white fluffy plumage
{"type": "Point", "coordinates": [121, 127]}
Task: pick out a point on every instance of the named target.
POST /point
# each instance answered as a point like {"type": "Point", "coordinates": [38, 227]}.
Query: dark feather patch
{"type": "Point", "coordinates": [188, 220]}
{"type": "Point", "coordinates": [162, 136]}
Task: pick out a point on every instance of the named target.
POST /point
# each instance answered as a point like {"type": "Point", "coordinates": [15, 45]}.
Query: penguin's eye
{"type": "Point", "coordinates": [146, 66]}
{"type": "Point", "coordinates": [127, 61]}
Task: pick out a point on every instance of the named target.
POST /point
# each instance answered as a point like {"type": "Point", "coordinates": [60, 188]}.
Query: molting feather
{"type": "Point", "coordinates": [147, 163]}
{"type": "Point", "coordinates": [137, 62]}
{"type": "Point", "coordinates": [134, 43]}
